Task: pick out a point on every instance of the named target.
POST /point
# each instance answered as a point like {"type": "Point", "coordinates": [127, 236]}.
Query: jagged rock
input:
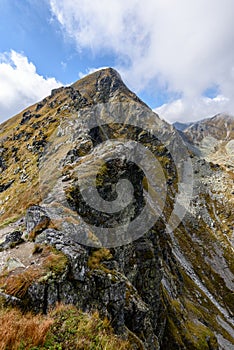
{"type": "Point", "coordinates": [2, 160]}
{"type": "Point", "coordinates": [13, 264]}
{"type": "Point", "coordinates": [38, 145]}
{"type": "Point", "coordinates": [26, 117]}
{"type": "Point", "coordinates": [56, 91]}
{"type": "Point", "coordinates": [8, 300]}
{"type": "Point", "coordinates": [1, 164]}
{"type": "Point", "coordinates": [34, 217]}
{"type": "Point", "coordinates": [81, 149]}
{"type": "Point", "coordinates": [102, 290]}
{"type": "Point", "coordinates": [12, 239]}
{"type": "Point", "coordinates": [4, 187]}
{"type": "Point", "coordinates": [79, 101]}
{"type": "Point", "coordinates": [105, 289]}
{"type": "Point", "coordinates": [213, 138]}
{"type": "Point", "coordinates": [41, 104]}
{"type": "Point", "coordinates": [18, 136]}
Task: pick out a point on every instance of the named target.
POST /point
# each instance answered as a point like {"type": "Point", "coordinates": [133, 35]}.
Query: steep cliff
{"type": "Point", "coordinates": [103, 206]}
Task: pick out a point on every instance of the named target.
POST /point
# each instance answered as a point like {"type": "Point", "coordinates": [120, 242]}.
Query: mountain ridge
{"type": "Point", "coordinates": [164, 289]}
{"type": "Point", "coordinates": [213, 138]}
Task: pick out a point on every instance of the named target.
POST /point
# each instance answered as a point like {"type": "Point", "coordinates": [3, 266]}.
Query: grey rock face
{"type": "Point", "coordinates": [120, 289]}
{"type": "Point", "coordinates": [9, 300]}
{"type": "Point", "coordinates": [4, 187]}
{"type": "Point", "coordinates": [11, 240]}
{"type": "Point", "coordinates": [35, 215]}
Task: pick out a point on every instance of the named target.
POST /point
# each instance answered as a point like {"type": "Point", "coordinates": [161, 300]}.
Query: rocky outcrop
{"type": "Point", "coordinates": [11, 240]}
{"type": "Point", "coordinates": [103, 280]}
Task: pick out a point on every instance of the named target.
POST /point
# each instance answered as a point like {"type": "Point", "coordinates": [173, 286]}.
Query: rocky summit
{"type": "Point", "coordinates": [106, 207]}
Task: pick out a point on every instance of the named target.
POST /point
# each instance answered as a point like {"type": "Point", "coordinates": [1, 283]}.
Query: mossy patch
{"type": "Point", "coordinates": [74, 329]}
{"type": "Point", "coordinates": [97, 257]}
{"type": "Point", "coordinates": [186, 327]}
{"type": "Point", "coordinates": [64, 328]}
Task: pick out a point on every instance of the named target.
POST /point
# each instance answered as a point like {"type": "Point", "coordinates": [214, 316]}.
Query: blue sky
{"type": "Point", "coordinates": [28, 27]}
{"type": "Point", "coordinates": [178, 56]}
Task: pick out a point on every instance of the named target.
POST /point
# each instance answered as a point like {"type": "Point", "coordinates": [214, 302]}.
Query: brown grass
{"type": "Point", "coordinates": [56, 262]}
{"type": "Point", "coordinates": [65, 327]}
{"type": "Point", "coordinates": [18, 285]}
{"type": "Point", "coordinates": [20, 331]}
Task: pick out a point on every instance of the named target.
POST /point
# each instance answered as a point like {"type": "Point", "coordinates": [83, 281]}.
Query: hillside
{"type": "Point", "coordinates": [103, 206]}
{"type": "Point", "coordinates": [213, 137]}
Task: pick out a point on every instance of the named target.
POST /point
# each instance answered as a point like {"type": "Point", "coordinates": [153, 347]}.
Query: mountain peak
{"type": "Point", "coordinates": [222, 116]}
{"type": "Point", "coordinates": [102, 85]}
{"type": "Point", "coordinates": [109, 73]}
{"type": "Point", "coordinates": [124, 217]}
{"type": "Point", "coordinates": [106, 80]}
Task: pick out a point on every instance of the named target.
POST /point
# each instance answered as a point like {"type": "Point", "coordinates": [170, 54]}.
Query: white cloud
{"type": "Point", "coordinates": [186, 46]}
{"type": "Point", "coordinates": [191, 110]}
{"type": "Point", "coordinates": [20, 84]}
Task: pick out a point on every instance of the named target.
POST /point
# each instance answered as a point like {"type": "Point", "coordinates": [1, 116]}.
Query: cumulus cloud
{"type": "Point", "coordinates": [20, 84]}
{"type": "Point", "coordinates": [196, 109]}
{"type": "Point", "coordinates": [184, 47]}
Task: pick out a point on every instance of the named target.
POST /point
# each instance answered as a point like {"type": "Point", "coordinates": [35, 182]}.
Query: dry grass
{"type": "Point", "coordinates": [17, 285]}
{"type": "Point", "coordinates": [20, 331]}
{"type": "Point", "coordinates": [56, 262]}
{"type": "Point", "coordinates": [65, 327]}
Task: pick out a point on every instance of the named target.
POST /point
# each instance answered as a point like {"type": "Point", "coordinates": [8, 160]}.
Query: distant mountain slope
{"type": "Point", "coordinates": [181, 126]}
{"type": "Point", "coordinates": [213, 138]}
{"type": "Point", "coordinates": [221, 127]}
